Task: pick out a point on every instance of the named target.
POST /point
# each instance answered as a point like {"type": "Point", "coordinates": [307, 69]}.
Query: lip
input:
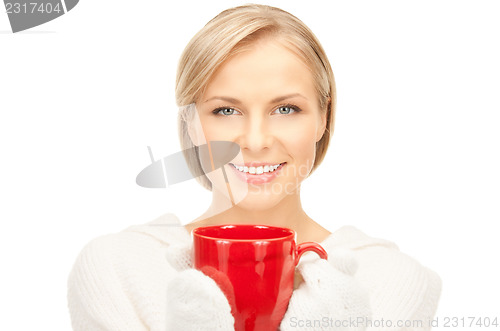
{"type": "Point", "coordinates": [257, 164]}
{"type": "Point", "coordinates": [257, 179]}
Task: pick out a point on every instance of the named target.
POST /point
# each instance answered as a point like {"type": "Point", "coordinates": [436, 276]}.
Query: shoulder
{"type": "Point", "coordinates": [116, 274]}
{"type": "Point", "coordinates": [134, 245]}
{"type": "Point", "coordinates": [399, 285]}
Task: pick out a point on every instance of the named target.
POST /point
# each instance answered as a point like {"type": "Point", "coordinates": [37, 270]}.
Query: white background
{"type": "Point", "coordinates": [414, 158]}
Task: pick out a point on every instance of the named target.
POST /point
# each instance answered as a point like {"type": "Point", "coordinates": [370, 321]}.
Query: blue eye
{"type": "Point", "coordinates": [288, 109]}
{"type": "Point", "coordinates": [283, 110]}
{"type": "Point", "coordinates": [226, 111]}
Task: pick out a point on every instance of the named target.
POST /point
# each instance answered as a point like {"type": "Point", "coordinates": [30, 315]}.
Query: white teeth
{"type": "Point", "coordinates": [257, 170]}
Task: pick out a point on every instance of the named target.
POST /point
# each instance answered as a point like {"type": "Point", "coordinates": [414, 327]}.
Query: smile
{"type": "Point", "coordinates": [257, 170]}
{"type": "Point", "coordinates": [257, 174]}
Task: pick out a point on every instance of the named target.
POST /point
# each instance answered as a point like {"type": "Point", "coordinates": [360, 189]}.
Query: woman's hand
{"type": "Point", "coordinates": [330, 298]}
{"type": "Point", "coordinates": [195, 302]}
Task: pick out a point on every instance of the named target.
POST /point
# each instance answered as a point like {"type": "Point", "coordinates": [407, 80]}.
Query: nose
{"type": "Point", "coordinates": [256, 134]}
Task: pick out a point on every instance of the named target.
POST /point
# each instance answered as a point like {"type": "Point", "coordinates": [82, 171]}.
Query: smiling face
{"type": "Point", "coordinates": [263, 99]}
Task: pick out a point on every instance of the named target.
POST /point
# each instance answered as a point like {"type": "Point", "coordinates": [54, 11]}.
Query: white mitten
{"type": "Point", "coordinates": [330, 297]}
{"type": "Point", "coordinates": [195, 302]}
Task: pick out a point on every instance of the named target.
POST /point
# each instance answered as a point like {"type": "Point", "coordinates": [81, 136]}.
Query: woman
{"type": "Point", "coordinates": [256, 76]}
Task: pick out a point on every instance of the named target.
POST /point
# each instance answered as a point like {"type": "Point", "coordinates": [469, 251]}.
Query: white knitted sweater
{"type": "Point", "coordinates": [121, 281]}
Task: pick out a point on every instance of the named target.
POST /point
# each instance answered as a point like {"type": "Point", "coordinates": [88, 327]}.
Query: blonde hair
{"type": "Point", "coordinates": [233, 31]}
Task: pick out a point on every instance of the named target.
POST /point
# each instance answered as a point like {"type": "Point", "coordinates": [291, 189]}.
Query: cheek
{"type": "Point", "coordinates": [300, 143]}
{"type": "Point", "coordinates": [302, 147]}
{"type": "Point", "coordinates": [221, 129]}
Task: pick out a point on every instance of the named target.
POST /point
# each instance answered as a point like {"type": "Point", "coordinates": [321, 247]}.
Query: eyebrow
{"type": "Point", "coordinates": [236, 101]}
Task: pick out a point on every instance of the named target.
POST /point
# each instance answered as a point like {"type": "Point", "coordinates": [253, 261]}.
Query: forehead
{"type": "Point", "coordinates": [264, 69]}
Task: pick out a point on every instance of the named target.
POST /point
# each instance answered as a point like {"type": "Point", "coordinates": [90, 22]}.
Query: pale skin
{"type": "Point", "coordinates": [264, 100]}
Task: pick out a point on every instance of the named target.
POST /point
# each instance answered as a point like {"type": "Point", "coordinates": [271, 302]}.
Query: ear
{"type": "Point", "coordinates": [323, 119]}
{"type": "Point", "coordinates": [195, 132]}
{"type": "Point", "coordinates": [193, 126]}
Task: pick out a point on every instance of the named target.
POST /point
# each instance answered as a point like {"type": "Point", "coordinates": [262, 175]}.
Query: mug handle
{"type": "Point", "coordinates": [310, 246]}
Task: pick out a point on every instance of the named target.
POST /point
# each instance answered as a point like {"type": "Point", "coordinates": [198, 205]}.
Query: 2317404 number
{"type": "Point", "coordinates": [31, 8]}
{"type": "Point", "coordinates": [470, 322]}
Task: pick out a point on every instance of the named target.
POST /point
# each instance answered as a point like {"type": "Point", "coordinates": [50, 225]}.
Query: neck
{"type": "Point", "coordinates": [287, 213]}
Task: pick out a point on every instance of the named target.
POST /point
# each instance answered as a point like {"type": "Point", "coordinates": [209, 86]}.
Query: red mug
{"type": "Point", "coordinates": [254, 266]}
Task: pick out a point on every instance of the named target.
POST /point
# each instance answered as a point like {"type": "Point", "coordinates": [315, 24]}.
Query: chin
{"type": "Point", "coordinates": [255, 198]}
{"type": "Point", "coordinates": [260, 202]}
